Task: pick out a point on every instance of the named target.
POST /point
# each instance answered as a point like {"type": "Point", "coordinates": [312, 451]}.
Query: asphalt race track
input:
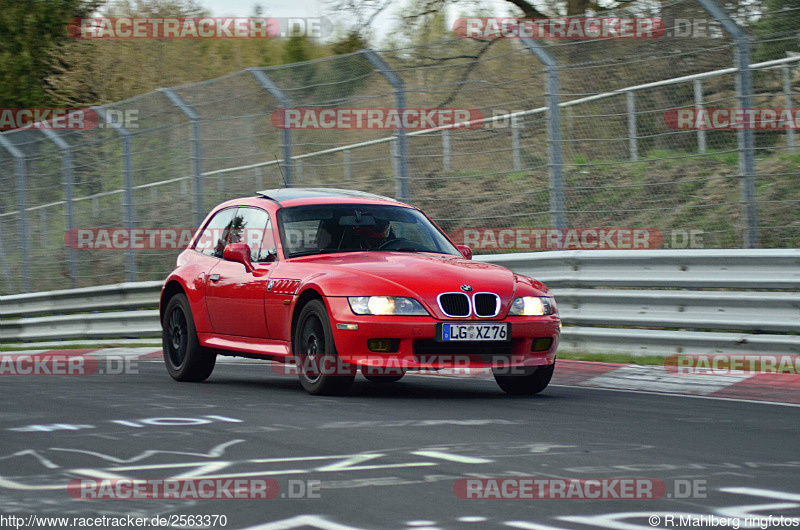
{"type": "Point", "coordinates": [388, 456]}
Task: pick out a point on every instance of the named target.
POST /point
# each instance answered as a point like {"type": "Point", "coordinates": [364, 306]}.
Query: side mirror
{"type": "Point", "coordinates": [239, 253]}
{"type": "Point", "coordinates": [464, 249]}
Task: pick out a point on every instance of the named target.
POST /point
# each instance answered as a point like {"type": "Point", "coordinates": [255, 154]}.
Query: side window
{"type": "Point", "coordinates": [252, 226]}
{"type": "Point", "coordinates": [216, 234]}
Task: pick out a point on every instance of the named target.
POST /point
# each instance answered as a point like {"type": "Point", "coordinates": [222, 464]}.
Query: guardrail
{"type": "Point", "coordinates": [119, 310]}
{"type": "Point", "coordinates": [637, 302]}
{"type": "Point", "coordinates": [662, 302]}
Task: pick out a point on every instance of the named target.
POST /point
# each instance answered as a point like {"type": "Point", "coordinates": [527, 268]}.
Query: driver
{"type": "Point", "coordinates": [371, 237]}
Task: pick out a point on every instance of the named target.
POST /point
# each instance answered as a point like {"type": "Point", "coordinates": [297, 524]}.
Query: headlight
{"type": "Point", "coordinates": [385, 305]}
{"type": "Point", "coordinates": [531, 306]}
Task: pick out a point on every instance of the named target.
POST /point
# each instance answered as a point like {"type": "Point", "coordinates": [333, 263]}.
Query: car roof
{"type": "Point", "coordinates": [284, 196]}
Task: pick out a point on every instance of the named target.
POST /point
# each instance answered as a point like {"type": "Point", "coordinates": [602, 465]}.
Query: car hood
{"type": "Point", "coordinates": [421, 275]}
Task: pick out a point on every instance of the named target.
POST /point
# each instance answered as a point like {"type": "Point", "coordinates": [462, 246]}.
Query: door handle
{"type": "Point", "coordinates": [214, 277]}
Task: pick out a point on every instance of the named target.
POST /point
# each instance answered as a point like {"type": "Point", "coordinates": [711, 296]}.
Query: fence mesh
{"type": "Point", "coordinates": [623, 165]}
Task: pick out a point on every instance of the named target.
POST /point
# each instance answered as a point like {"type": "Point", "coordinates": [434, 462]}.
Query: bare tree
{"type": "Point", "coordinates": [361, 13]}
{"type": "Point", "coordinates": [364, 12]}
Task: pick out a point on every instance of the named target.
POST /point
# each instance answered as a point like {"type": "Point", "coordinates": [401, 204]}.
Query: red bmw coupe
{"type": "Point", "coordinates": [328, 281]}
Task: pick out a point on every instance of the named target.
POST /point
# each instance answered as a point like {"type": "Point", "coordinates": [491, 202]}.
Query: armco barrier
{"type": "Point", "coordinates": [119, 310]}
{"type": "Point", "coordinates": [636, 302]}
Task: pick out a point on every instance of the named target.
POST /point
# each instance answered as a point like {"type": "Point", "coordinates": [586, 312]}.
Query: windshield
{"type": "Point", "coordinates": [327, 228]}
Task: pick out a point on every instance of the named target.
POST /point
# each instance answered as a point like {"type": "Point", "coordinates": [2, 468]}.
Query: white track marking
{"type": "Point", "coordinates": [452, 458]}
{"type": "Point", "coordinates": [758, 492]}
{"type": "Point", "coordinates": [97, 474]}
{"type": "Point", "coordinates": [302, 521]}
{"type": "Point", "coordinates": [525, 525]}
{"type": "Point", "coordinates": [42, 460]}
{"type": "Point", "coordinates": [215, 452]}
{"type": "Point", "coordinates": [673, 394]}
{"type": "Point", "coordinates": [637, 377]}
{"type": "Point", "coordinates": [122, 352]}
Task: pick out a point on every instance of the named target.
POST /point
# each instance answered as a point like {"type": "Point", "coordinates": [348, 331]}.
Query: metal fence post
{"type": "Point", "coordinates": [557, 207]}
{"type": "Point", "coordinates": [633, 139]}
{"type": "Point", "coordinates": [446, 160]}
{"type": "Point", "coordinates": [285, 103]}
{"type": "Point", "coordinates": [744, 93]}
{"type": "Point", "coordinates": [393, 149]}
{"type": "Point", "coordinates": [69, 210]}
{"type": "Point", "coordinates": [22, 205]}
{"type": "Point", "coordinates": [401, 154]}
{"type": "Point", "coordinates": [127, 176]}
{"type": "Point", "coordinates": [787, 94]}
{"type": "Point", "coordinates": [698, 106]}
{"type": "Point", "coordinates": [197, 151]}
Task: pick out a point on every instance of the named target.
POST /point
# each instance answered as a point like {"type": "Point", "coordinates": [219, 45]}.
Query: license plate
{"type": "Point", "coordinates": [496, 332]}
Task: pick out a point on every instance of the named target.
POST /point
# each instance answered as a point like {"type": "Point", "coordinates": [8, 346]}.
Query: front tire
{"type": "Point", "coordinates": [319, 368]}
{"type": "Point", "coordinates": [527, 384]}
{"type": "Point", "coordinates": [186, 360]}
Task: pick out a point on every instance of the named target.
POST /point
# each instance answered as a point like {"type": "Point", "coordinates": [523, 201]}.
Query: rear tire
{"type": "Point", "coordinates": [382, 374]}
{"type": "Point", "coordinates": [528, 384]}
{"type": "Point", "coordinates": [186, 360]}
{"type": "Point", "coordinates": [319, 368]}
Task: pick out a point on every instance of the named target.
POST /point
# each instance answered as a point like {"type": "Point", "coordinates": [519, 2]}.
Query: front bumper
{"type": "Point", "coordinates": [417, 347]}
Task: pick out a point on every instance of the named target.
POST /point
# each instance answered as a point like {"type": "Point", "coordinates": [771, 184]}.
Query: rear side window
{"type": "Point", "coordinates": [217, 233]}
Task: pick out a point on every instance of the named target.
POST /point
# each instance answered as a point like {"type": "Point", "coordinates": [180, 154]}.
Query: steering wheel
{"type": "Point", "coordinates": [399, 243]}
